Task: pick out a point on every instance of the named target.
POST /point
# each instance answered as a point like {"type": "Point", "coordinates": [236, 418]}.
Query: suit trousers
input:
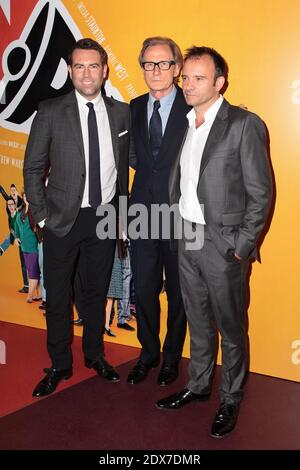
{"type": "Point", "coordinates": [149, 259]}
{"type": "Point", "coordinates": [61, 256]}
{"type": "Point", "coordinates": [214, 296]}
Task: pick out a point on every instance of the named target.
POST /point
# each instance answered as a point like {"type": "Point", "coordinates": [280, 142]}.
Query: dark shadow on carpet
{"type": "Point", "coordinates": [95, 414]}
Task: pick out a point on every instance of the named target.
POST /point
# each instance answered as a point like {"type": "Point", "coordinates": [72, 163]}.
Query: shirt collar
{"type": "Point", "coordinates": [166, 100]}
{"type": "Point", "coordinates": [209, 115]}
{"type": "Point", "coordinates": [97, 102]}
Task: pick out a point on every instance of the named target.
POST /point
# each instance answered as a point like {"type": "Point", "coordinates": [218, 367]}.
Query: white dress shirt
{"type": "Point", "coordinates": [190, 162]}
{"type": "Point", "coordinates": [108, 172]}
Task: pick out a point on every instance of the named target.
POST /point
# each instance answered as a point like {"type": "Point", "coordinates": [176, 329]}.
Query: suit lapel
{"type": "Point", "coordinates": [113, 127]}
{"type": "Point", "coordinates": [215, 134]}
{"type": "Point", "coordinates": [174, 179]}
{"type": "Point", "coordinates": [72, 114]}
{"type": "Point", "coordinates": [142, 120]}
{"type": "Point", "coordinates": [173, 124]}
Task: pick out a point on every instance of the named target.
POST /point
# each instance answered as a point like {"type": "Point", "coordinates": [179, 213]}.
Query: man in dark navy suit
{"type": "Point", "coordinates": [158, 127]}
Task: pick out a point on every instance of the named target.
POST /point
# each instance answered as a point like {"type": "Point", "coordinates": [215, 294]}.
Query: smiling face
{"type": "Point", "coordinates": [87, 72]}
{"type": "Point", "coordinates": [200, 87]}
{"type": "Point", "coordinates": [160, 82]}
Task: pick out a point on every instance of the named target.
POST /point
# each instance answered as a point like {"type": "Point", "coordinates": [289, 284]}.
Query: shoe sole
{"type": "Point", "coordinates": [66, 377]}
{"type": "Point", "coordinates": [136, 383]}
{"type": "Point", "coordinates": [125, 329]}
{"type": "Point", "coordinates": [198, 400]}
{"type": "Point", "coordinates": [165, 384]}
{"type": "Point", "coordinates": [214, 436]}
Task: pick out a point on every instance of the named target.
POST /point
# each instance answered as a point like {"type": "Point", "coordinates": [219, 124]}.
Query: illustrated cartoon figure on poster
{"type": "Point", "coordinates": [35, 65]}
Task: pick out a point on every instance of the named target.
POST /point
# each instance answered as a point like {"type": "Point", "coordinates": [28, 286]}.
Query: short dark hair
{"type": "Point", "coordinates": [160, 40]}
{"type": "Point", "coordinates": [10, 199]}
{"type": "Point", "coordinates": [88, 44]}
{"type": "Point", "coordinates": [221, 66]}
{"type": "Point", "coordinates": [13, 185]}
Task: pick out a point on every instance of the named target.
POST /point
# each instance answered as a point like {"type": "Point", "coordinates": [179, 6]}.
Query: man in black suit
{"type": "Point", "coordinates": [83, 138]}
{"type": "Point", "coordinates": [222, 182]}
{"type": "Point", "coordinates": [158, 126]}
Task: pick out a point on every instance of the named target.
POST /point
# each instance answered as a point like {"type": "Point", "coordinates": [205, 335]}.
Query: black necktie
{"type": "Point", "coordinates": [155, 129]}
{"type": "Point", "coordinates": [94, 159]}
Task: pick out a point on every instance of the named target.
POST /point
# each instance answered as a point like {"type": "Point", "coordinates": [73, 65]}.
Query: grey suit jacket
{"type": "Point", "coordinates": [56, 143]}
{"type": "Point", "coordinates": [235, 183]}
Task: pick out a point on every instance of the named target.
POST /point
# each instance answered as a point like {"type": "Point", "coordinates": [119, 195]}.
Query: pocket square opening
{"type": "Point", "coordinates": [122, 133]}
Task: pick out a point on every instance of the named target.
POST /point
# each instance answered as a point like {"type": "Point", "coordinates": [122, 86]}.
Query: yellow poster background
{"type": "Point", "coordinates": [260, 41]}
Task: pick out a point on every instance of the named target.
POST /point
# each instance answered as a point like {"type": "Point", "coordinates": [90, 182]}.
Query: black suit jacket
{"type": "Point", "coordinates": [150, 183]}
{"type": "Point", "coordinates": [55, 142]}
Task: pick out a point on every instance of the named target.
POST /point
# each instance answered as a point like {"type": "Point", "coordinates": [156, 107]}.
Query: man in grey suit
{"type": "Point", "coordinates": [222, 183]}
{"type": "Point", "coordinates": [82, 140]}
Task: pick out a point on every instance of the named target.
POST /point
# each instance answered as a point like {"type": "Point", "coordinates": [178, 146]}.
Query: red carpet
{"type": "Point", "coordinates": [95, 414]}
{"type": "Point", "coordinates": [26, 356]}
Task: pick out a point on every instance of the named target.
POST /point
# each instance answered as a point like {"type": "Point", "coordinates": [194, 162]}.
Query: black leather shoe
{"type": "Point", "coordinates": [140, 371]}
{"type": "Point", "coordinates": [178, 400]}
{"type": "Point", "coordinates": [168, 374]}
{"type": "Point", "coordinates": [78, 322]}
{"type": "Point", "coordinates": [49, 383]}
{"type": "Point", "coordinates": [225, 420]}
{"type": "Point", "coordinates": [125, 326]}
{"type": "Point", "coordinates": [109, 332]}
{"type": "Point", "coordinates": [103, 369]}
{"type": "Point", "coordinates": [24, 290]}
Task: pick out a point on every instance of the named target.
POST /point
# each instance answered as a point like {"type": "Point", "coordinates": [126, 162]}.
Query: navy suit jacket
{"type": "Point", "coordinates": [150, 183]}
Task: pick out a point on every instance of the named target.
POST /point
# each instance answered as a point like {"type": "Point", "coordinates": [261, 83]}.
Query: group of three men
{"type": "Point", "coordinates": [191, 149]}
